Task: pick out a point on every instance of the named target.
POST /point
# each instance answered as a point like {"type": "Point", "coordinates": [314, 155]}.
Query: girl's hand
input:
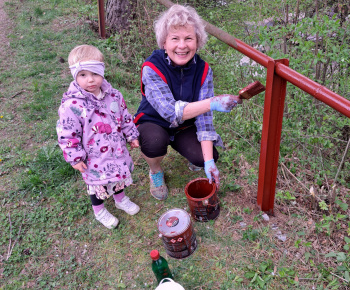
{"type": "Point", "coordinates": [134, 144]}
{"type": "Point", "coordinates": [212, 172]}
{"type": "Point", "coordinates": [81, 166]}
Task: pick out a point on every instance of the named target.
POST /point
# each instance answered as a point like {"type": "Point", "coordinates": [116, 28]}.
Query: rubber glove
{"type": "Point", "coordinates": [224, 103]}
{"type": "Point", "coordinates": [212, 172]}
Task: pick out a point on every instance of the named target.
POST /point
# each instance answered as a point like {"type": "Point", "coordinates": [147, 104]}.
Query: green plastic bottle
{"type": "Point", "coordinates": [160, 266]}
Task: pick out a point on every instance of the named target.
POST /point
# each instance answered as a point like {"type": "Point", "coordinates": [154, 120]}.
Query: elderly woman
{"type": "Point", "coordinates": [178, 99]}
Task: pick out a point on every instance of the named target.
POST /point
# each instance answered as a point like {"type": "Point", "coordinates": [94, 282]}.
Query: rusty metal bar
{"type": "Point", "coordinates": [101, 19]}
{"type": "Point", "coordinates": [252, 53]}
{"type": "Point", "coordinates": [316, 90]}
{"type": "Point", "coordinates": [271, 136]}
{"type": "Point", "coordinates": [309, 86]}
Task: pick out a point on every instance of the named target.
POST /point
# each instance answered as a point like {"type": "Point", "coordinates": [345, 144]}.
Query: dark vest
{"type": "Point", "coordinates": [184, 82]}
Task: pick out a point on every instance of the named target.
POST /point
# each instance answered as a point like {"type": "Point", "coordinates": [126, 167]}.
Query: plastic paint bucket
{"type": "Point", "coordinates": [177, 233]}
{"type": "Point", "coordinates": [202, 199]}
{"type": "Point", "coordinates": [169, 284]}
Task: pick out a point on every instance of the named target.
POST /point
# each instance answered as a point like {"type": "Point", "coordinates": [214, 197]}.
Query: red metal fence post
{"type": "Point", "coordinates": [101, 19]}
{"type": "Point", "coordinates": [271, 136]}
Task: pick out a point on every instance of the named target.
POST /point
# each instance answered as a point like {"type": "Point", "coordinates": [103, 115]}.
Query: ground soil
{"type": "Point", "coordinates": [5, 30]}
{"type": "Point", "coordinates": [4, 25]}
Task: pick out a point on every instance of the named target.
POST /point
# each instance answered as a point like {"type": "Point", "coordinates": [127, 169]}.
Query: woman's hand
{"type": "Point", "coordinates": [81, 166]}
{"type": "Point", "coordinates": [224, 103]}
{"type": "Point", "coordinates": [212, 172]}
{"type": "Point", "coordinates": [134, 144]}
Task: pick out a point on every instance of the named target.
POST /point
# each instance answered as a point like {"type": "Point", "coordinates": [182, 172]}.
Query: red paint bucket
{"type": "Point", "coordinates": [177, 233]}
{"type": "Point", "coordinates": [202, 199]}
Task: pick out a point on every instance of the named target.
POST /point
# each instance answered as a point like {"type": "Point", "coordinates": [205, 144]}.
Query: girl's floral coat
{"type": "Point", "coordinates": [96, 132]}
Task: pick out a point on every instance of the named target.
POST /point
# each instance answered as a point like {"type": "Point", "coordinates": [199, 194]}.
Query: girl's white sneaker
{"type": "Point", "coordinates": [128, 206]}
{"type": "Point", "coordinates": [106, 218]}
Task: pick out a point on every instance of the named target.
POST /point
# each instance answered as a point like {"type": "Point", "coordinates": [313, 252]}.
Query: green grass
{"type": "Point", "coordinates": [50, 238]}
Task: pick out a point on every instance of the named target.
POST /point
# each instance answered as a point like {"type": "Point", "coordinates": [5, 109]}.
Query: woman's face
{"type": "Point", "coordinates": [181, 44]}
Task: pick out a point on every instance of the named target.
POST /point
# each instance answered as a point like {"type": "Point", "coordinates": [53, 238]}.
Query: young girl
{"type": "Point", "coordinates": [93, 128]}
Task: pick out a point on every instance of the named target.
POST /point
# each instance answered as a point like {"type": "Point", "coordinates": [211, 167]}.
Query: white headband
{"type": "Point", "coordinates": [93, 66]}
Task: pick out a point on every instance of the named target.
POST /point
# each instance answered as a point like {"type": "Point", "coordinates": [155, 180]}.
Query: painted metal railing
{"type": "Point", "coordinates": [101, 19]}
{"type": "Point", "coordinates": [277, 76]}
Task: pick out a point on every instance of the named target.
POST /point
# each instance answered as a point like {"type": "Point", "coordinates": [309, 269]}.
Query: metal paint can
{"type": "Point", "coordinates": [202, 199]}
{"type": "Point", "coordinates": [179, 238]}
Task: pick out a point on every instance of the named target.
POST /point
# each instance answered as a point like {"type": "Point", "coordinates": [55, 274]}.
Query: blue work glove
{"type": "Point", "coordinates": [224, 103]}
{"type": "Point", "coordinates": [212, 172]}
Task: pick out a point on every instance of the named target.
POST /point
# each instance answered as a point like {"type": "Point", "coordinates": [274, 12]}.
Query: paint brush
{"type": "Point", "coordinates": [251, 90]}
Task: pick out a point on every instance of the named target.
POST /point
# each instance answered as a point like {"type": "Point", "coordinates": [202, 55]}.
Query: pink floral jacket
{"type": "Point", "coordinates": [96, 132]}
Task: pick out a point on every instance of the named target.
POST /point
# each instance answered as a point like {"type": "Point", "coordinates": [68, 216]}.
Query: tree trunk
{"type": "Point", "coordinates": [118, 13]}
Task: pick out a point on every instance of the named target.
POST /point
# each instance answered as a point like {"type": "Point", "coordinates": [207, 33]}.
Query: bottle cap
{"type": "Point", "coordinates": [154, 255]}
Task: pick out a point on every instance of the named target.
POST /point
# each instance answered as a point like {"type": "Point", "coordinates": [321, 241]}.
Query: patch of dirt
{"type": "Point", "coordinates": [62, 23]}
{"type": "Point", "coordinates": [5, 29]}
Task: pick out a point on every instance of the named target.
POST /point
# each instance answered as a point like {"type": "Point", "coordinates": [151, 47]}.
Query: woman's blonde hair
{"type": "Point", "coordinates": [178, 15]}
{"type": "Point", "coordinates": [84, 53]}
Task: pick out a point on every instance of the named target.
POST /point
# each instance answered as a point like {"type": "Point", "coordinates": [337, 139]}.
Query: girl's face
{"type": "Point", "coordinates": [181, 44]}
{"type": "Point", "coordinates": [89, 81]}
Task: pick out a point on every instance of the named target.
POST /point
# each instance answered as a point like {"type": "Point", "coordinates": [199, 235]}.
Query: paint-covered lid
{"type": "Point", "coordinates": [174, 222]}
